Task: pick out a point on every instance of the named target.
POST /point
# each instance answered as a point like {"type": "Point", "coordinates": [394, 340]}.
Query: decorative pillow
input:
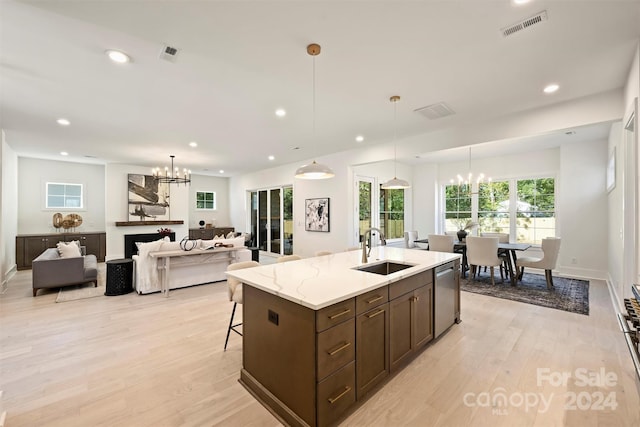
{"type": "Point", "coordinates": [170, 246]}
{"type": "Point", "coordinates": [218, 237]}
{"type": "Point", "coordinates": [69, 249]}
{"type": "Point", "coordinates": [230, 235]}
{"type": "Point", "coordinates": [145, 248]}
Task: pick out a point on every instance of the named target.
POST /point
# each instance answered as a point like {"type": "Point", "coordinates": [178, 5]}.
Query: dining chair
{"type": "Point", "coordinates": [502, 238]}
{"type": "Point", "coordinates": [410, 238]}
{"type": "Point", "coordinates": [287, 258]}
{"type": "Point", "coordinates": [441, 243]}
{"type": "Point", "coordinates": [235, 294]}
{"type": "Point", "coordinates": [550, 251]}
{"type": "Point", "coordinates": [483, 251]}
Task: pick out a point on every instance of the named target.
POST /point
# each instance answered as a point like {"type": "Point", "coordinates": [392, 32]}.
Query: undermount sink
{"type": "Point", "coordinates": [384, 268]}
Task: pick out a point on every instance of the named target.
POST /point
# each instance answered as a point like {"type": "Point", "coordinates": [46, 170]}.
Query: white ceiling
{"type": "Point", "coordinates": [240, 60]}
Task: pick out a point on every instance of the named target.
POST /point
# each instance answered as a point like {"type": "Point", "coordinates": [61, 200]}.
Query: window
{"type": "Point", "coordinates": [62, 195]}
{"type": "Point", "coordinates": [457, 206]}
{"type": "Point", "coordinates": [522, 208]}
{"type": "Point", "coordinates": [493, 207]}
{"type": "Point", "coordinates": [536, 216]}
{"type": "Point", "coordinates": [392, 213]}
{"type": "Point", "coordinates": [205, 200]}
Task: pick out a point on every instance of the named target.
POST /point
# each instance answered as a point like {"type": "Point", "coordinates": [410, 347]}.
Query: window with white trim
{"type": "Point", "coordinates": [206, 200]}
{"type": "Point", "coordinates": [61, 195]}
{"type": "Point", "coordinates": [522, 207]}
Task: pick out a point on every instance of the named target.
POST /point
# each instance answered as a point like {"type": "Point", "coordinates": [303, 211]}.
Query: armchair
{"type": "Point", "coordinates": [52, 271]}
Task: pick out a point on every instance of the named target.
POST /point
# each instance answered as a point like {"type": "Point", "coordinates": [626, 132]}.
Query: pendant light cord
{"type": "Point", "coordinates": [395, 141]}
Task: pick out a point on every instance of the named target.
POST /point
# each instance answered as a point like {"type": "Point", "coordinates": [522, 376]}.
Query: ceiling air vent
{"type": "Point", "coordinates": [435, 111]}
{"type": "Point", "coordinates": [524, 24]}
{"type": "Point", "coordinates": [169, 53]}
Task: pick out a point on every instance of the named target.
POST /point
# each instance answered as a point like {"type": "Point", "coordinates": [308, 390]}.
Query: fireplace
{"type": "Point", "coordinates": [130, 241]}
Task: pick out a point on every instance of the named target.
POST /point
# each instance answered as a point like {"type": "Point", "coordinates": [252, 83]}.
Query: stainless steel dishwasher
{"type": "Point", "coordinates": [445, 297]}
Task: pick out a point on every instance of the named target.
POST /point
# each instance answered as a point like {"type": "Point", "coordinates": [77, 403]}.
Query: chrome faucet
{"type": "Point", "coordinates": [365, 255]}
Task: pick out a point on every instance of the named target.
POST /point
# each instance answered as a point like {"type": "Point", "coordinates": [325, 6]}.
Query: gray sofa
{"type": "Point", "coordinates": [51, 271]}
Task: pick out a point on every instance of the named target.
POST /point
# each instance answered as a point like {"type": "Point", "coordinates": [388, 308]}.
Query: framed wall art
{"type": "Point", "coordinates": [316, 214]}
{"type": "Point", "coordinates": [148, 198]}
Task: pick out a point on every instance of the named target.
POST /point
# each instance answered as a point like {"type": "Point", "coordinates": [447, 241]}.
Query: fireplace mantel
{"type": "Point", "coordinates": [134, 223]}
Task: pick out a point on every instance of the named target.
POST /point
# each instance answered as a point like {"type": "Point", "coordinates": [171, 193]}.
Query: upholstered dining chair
{"type": "Point", "coordinates": [441, 242]}
{"type": "Point", "coordinates": [502, 238]}
{"type": "Point", "coordinates": [550, 251]}
{"type": "Point", "coordinates": [483, 251]}
{"type": "Point", "coordinates": [410, 238]}
{"type": "Point", "coordinates": [235, 294]}
{"type": "Point", "coordinates": [287, 258]}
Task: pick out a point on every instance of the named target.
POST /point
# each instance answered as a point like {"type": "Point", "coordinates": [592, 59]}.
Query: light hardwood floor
{"type": "Point", "coordinates": [147, 360]}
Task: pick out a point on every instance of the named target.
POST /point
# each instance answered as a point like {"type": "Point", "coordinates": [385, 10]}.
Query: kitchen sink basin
{"type": "Point", "coordinates": [384, 268]}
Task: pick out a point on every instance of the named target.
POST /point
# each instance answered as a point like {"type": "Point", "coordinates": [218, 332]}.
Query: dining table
{"type": "Point", "coordinates": [509, 248]}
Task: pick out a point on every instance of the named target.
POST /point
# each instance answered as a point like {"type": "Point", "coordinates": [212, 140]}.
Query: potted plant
{"type": "Point", "coordinates": [164, 232]}
{"type": "Point", "coordinates": [464, 225]}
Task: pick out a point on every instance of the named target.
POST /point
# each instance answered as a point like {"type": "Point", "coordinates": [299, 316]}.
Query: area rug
{"type": "Point", "coordinates": [76, 292]}
{"type": "Point", "coordinates": [568, 294]}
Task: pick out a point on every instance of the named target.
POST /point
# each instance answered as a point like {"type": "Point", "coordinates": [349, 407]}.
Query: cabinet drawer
{"type": "Point", "coordinates": [336, 348]}
{"type": "Point", "coordinates": [336, 394]}
{"type": "Point", "coordinates": [334, 314]}
{"type": "Point", "coordinates": [410, 283]}
{"type": "Point", "coordinates": [371, 299]}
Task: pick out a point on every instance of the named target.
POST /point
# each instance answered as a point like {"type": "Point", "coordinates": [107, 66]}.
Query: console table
{"type": "Point", "coordinates": [195, 256]}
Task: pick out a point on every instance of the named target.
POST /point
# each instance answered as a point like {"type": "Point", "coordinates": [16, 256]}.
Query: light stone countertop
{"type": "Point", "coordinates": [319, 282]}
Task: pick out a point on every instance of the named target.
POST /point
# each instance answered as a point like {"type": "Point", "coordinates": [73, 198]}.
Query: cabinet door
{"type": "Point", "coordinates": [35, 245]}
{"type": "Point", "coordinates": [400, 330]}
{"type": "Point", "coordinates": [422, 303]}
{"type": "Point", "coordinates": [372, 361]}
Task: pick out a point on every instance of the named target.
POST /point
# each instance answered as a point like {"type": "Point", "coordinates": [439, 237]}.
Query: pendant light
{"type": "Point", "coordinates": [395, 183]}
{"type": "Point", "coordinates": [314, 170]}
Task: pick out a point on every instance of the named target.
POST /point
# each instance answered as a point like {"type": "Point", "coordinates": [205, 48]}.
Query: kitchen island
{"type": "Point", "coordinates": [320, 334]}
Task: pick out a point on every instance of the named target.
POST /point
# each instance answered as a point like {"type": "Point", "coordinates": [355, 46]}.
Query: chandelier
{"type": "Point", "coordinates": [469, 181]}
{"type": "Point", "coordinates": [172, 176]}
{"type": "Point", "coordinates": [314, 170]}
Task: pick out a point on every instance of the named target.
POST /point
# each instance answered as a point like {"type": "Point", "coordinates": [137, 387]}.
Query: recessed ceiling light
{"type": "Point", "coordinates": [117, 56]}
{"type": "Point", "coordinates": [271, 158]}
{"type": "Point", "coordinates": [193, 144]}
{"type": "Point", "coordinates": [359, 138]}
{"type": "Point", "coordinates": [280, 112]}
{"type": "Point", "coordinates": [63, 122]}
{"type": "Point", "coordinates": [295, 148]}
{"type": "Point", "coordinates": [64, 153]}
{"type": "Point", "coordinates": [221, 171]}
{"type": "Point", "coordinates": [551, 88]}
{"type": "Point", "coordinates": [519, 2]}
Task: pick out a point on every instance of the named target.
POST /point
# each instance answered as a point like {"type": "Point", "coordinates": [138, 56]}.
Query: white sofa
{"type": "Point", "coordinates": [209, 265]}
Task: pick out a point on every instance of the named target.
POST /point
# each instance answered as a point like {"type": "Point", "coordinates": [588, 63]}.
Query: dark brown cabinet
{"type": "Point", "coordinates": [410, 318]}
{"type": "Point", "coordinates": [209, 233]}
{"type": "Point", "coordinates": [28, 247]}
{"type": "Point", "coordinates": [311, 366]}
{"type": "Point", "coordinates": [372, 348]}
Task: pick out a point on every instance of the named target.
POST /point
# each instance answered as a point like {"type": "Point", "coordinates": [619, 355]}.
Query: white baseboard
{"type": "Point", "coordinates": [5, 281]}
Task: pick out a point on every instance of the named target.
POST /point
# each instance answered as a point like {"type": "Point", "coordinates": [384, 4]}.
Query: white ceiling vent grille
{"type": "Point", "coordinates": [435, 111]}
{"type": "Point", "coordinates": [523, 25]}
{"type": "Point", "coordinates": [169, 53]}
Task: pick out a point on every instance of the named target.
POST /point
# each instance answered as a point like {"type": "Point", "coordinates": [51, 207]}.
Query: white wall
{"type": "Point", "coordinates": [582, 209]}
{"type": "Point", "coordinates": [8, 211]}
{"type": "Point", "coordinates": [219, 216]}
{"type": "Point", "coordinates": [33, 174]}
{"type": "Point", "coordinates": [117, 209]}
